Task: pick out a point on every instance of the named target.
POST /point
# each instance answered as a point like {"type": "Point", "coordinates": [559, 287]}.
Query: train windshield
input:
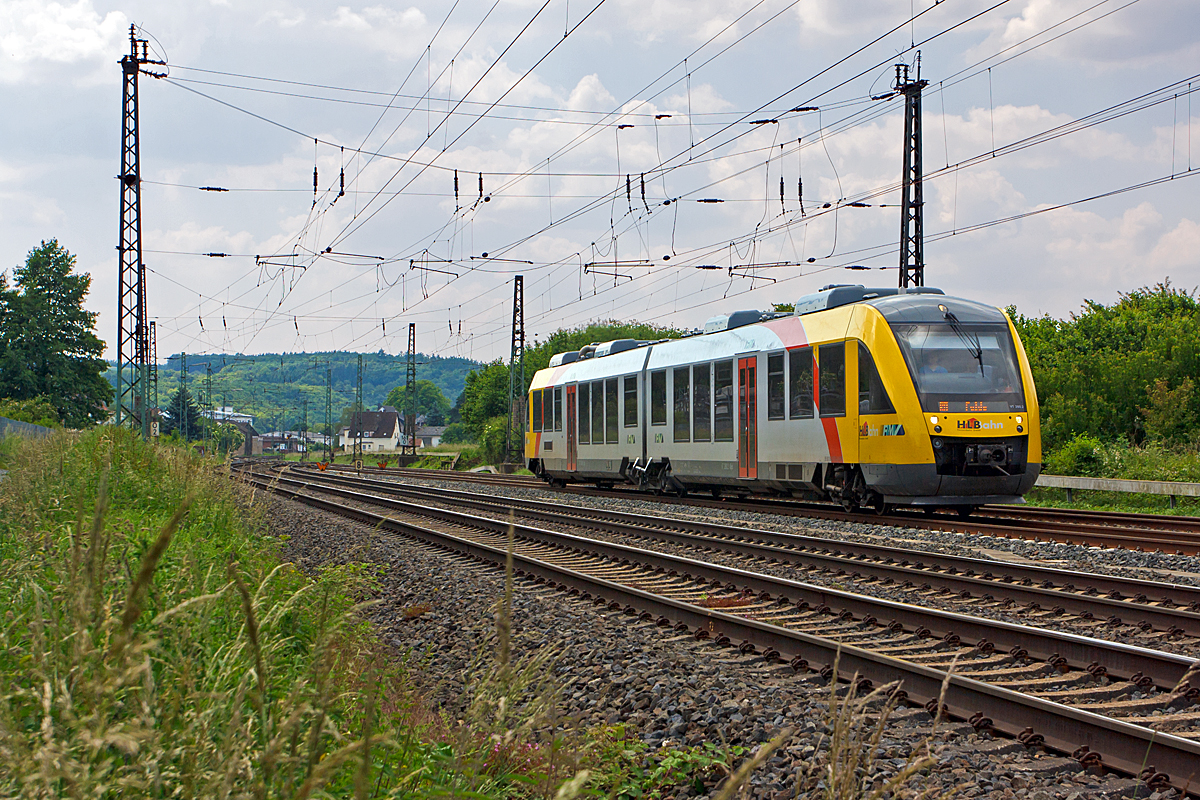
{"type": "Point", "coordinates": [962, 367]}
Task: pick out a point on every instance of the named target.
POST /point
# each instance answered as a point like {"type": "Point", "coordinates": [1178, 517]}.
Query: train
{"type": "Point", "coordinates": [871, 398]}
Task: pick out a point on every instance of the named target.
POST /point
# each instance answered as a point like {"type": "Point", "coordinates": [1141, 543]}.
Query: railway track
{"type": "Point", "coordinates": [1085, 697]}
{"type": "Point", "coordinates": [1142, 532]}
{"type": "Point", "coordinates": [1157, 610]}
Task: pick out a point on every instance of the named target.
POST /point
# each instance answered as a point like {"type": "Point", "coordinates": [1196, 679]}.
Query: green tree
{"type": "Point", "coordinates": [348, 413]}
{"type": "Point", "coordinates": [1118, 372]}
{"type": "Point", "coordinates": [430, 402]}
{"type": "Point", "coordinates": [48, 344]}
{"type": "Point", "coordinates": [37, 411]}
{"type": "Point", "coordinates": [485, 397]}
{"type": "Point", "coordinates": [182, 406]}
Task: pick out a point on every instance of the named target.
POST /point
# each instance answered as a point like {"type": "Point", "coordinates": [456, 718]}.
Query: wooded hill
{"type": "Point", "coordinates": [273, 386]}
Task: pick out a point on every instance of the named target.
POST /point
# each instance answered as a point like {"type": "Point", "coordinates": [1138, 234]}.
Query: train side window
{"type": "Point", "coordinates": [558, 413]}
{"type": "Point", "coordinates": [658, 397]}
{"type": "Point", "coordinates": [631, 405]}
{"type": "Point", "coordinates": [681, 402]}
{"type": "Point", "coordinates": [776, 405]}
{"type": "Point", "coordinates": [723, 401]}
{"type": "Point", "coordinates": [612, 404]}
{"type": "Point", "coordinates": [701, 402]}
{"type": "Point", "coordinates": [597, 412]}
{"type": "Point", "coordinates": [831, 369]}
{"type": "Point", "coordinates": [537, 410]}
{"type": "Point", "coordinates": [800, 383]}
{"type": "Point", "coordinates": [872, 396]}
{"type": "Point", "coordinates": [584, 406]}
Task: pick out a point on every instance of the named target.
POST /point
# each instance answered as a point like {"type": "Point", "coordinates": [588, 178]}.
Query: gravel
{"type": "Point", "coordinates": [876, 534]}
{"type": "Point", "coordinates": [668, 690]}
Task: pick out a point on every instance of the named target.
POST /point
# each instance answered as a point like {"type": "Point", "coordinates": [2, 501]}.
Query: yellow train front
{"type": "Point", "coordinates": [870, 397]}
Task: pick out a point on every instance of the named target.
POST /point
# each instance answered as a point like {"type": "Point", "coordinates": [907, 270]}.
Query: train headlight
{"type": "Point", "coordinates": [933, 420]}
{"type": "Point", "coordinates": [1018, 419]}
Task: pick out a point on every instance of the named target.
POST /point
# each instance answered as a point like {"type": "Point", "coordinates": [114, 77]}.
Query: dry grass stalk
{"type": "Point", "coordinates": [738, 779]}
{"type": "Point", "coordinates": [856, 724]}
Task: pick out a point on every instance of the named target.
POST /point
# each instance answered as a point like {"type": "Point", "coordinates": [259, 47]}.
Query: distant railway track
{"type": "Point", "coordinates": [1018, 676]}
{"type": "Point", "coordinates": [1143, 532]}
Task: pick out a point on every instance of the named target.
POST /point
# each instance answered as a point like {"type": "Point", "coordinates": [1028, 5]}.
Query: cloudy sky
{"type": "Point", "coordinates": [1044, 120]}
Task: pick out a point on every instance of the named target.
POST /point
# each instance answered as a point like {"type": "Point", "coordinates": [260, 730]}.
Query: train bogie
{"type": "Point", "coordinates": [867, 397]}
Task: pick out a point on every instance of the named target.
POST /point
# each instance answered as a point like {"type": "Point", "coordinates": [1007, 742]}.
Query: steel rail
{"type": "Point", "coordinates": [1121, 746]}
{"type": "Point", "coordinates": [1163, 670]}
{"type": "Point", "coordinates": [957, 574]}
{"type": "Point", "coordinates": [1185, 540]}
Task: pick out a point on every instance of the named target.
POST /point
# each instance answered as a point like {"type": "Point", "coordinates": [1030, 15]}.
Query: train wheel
{"type": "Point", "coordinates": [716, 493]}
{"type": "Point", "coordinates": [879, 506]}
{"type": "Point", "coordinates": [965, 511]}
{"type": "Point", "coordinates": [850, 504]}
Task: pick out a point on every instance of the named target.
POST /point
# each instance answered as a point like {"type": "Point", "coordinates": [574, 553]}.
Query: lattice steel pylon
{"type": "Point", "coordinates": [912, 203]}
{"type": "Point", "coordinates": [358, 412]}
{"type": "Point", "coordinates": [329, 415]}
{"type": "Point", "coordinates": [514, 440]}
{"type": "Point", "coordinates": [133, 356]}
{"type": "Point", "coordinates": [410, 395]}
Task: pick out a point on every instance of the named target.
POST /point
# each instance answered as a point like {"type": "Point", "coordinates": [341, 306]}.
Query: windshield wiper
{"type": "Point", "coordinates": [969, 339]}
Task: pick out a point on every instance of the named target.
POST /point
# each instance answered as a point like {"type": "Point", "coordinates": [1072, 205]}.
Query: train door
{"type": "Point", "coordinates": [572, 430]}
{"type": "Point", "coordinates": [748, 417]}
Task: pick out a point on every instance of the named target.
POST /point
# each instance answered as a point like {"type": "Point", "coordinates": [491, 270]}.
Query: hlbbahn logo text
{"type": "Point", "coordinates": [974, 424]}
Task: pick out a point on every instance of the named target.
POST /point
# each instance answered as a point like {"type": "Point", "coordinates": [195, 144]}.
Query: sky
{"type": "Point", "coordinates": [1058, 155]}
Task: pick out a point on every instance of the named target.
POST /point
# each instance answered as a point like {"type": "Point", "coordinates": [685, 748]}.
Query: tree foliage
{"type": "Point", "coordinates": [1123, 372]}
{"type": "Point", "coordinates": [273, 386]}
{"type": "Point", "coordinates": [180, 407]}
{"type": "Point", "coordinates": [48, 345]}
{"type": "Point", "coordinates": [484, 397]}
{"type": "Point", "coordinates": [37, 411]}
{"type": "Point", "coordinates": [430, 402]}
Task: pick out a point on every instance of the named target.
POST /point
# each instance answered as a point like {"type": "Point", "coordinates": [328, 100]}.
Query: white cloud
{"type": "Point", "coordinates": [372, 18]}
{"type": "Point", "coordinates": [37, 35]}
{"type": "Point", "coordinates": [1148, 32]}
{"type": "Point", "coordinates": [1178, 248]}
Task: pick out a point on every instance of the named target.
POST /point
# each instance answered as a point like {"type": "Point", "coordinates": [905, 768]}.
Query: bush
{"type": "Point", "coordinates": [458, 433]}
{"type": "Point", "coordinates": [37, 411]}
{"type": "Point", "coordinates": [494, 432]}
{"type": "Point", "coordinates": [469, 458]}
{"type": "Point", "coordinates": [1083, 455]}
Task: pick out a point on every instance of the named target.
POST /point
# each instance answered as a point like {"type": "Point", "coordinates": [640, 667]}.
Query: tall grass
{"type": "Point", "coordinates": [152, 644]}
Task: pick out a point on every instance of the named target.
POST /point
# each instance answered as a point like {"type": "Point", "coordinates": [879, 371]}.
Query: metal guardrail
{"type": "Point", "coordinates": [1172, 489]}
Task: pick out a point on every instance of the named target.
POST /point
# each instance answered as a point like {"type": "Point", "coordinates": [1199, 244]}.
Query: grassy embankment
{"type": "Point", "coordinates": [154, 644]}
